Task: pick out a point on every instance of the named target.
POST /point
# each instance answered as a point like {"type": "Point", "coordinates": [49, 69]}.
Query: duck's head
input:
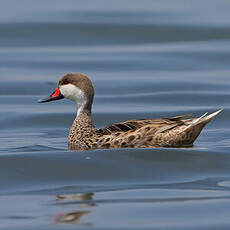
{"type": "Point", "coordinates": [76, 87]}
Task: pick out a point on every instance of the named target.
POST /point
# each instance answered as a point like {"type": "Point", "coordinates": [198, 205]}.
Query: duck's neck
{"type": "Point", "coordinates": [82, 127]}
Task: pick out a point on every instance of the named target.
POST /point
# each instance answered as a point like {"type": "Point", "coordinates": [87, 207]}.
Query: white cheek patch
{"type": "Point", "coordinates": [75, 94]}
{"type": "Point", "coordinates": [70, 91]}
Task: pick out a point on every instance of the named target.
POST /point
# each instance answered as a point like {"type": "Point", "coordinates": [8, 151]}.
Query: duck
{"type": "Point", "coordinates": [172, 132]}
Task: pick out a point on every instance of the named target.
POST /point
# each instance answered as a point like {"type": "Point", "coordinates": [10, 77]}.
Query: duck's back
{"type": "Point", "coordinates": [149, 133]}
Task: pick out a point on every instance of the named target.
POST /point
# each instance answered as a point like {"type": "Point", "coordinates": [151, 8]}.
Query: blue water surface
{"type": "Point", "coordinates": [146, 59]}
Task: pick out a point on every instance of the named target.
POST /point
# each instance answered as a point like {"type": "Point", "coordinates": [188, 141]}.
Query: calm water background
{"type": "Point", "coordinates": [146, 59]}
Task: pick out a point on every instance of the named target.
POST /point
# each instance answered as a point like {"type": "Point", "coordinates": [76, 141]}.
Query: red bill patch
{"type": "Point", "coordinates": [56, 93]}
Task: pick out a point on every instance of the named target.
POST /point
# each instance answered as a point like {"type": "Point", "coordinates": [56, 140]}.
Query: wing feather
{"type": "Point", "coordinates": [132, 125]}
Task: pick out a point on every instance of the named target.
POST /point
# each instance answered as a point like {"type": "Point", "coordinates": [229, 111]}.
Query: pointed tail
{"type": "Point", "coordinates": [203, 120]}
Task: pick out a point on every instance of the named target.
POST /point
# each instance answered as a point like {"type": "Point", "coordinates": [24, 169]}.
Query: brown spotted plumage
{"type": "Point", "coordinates": [141, 133]}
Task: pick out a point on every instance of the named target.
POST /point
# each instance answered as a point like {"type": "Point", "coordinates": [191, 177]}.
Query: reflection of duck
{"type": "Point", "coordinates": [72, 217]}
{"type": "Point", "coordinates": [82, 199]}
{"type": "Point", "coordinates": [77, 196]}
{"type": "Point", "coordinates": [166, 132]}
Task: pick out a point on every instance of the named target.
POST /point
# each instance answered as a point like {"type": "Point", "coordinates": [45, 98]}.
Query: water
{"type": "Point", "coordinates": [146, 59]}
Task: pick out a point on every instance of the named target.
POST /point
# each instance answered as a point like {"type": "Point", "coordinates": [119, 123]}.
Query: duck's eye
{"type": "Point", "coordinates": [65, 82]}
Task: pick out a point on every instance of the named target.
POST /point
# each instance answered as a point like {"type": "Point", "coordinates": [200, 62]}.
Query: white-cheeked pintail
{"type": "Point", "coordinates": [176, 131]}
